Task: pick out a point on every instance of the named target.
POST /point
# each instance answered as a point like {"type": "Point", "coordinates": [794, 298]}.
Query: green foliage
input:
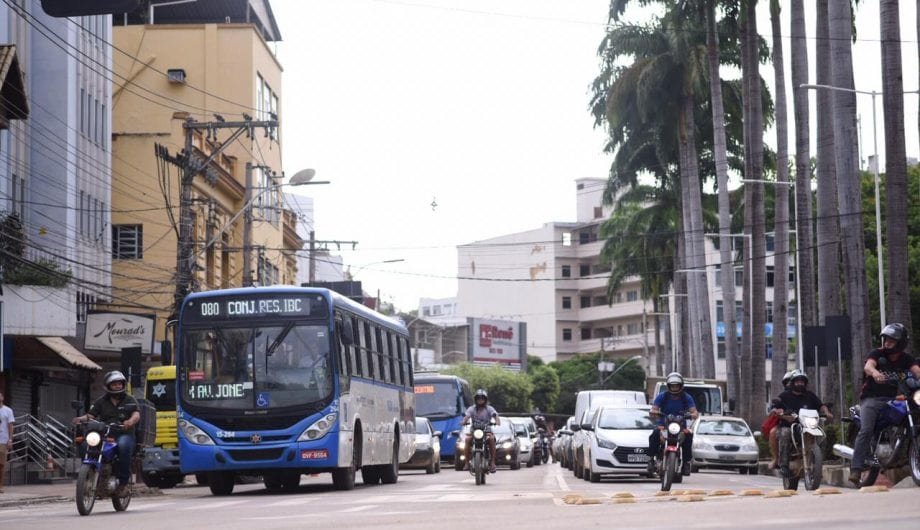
{"type": "Point", "coordinates": [18, 271]}
{"type": "Point", "coordinates": [508, 391]}
{"type": "Point", "coordinates": [581, 373]}
{"type": "Point", "coordinates": [41, 272]}
{"type": "Point", "coordinates": [545, 387]}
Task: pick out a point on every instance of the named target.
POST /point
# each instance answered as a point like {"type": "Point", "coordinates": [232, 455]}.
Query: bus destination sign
{"type": "Point", "coordinates": [231, 308]}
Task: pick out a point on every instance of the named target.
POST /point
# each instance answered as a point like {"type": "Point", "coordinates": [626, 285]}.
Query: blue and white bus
{"type": "Point", "coordinates": [443, 399]}
{"type": "Point", "coordinates": [282, 381]}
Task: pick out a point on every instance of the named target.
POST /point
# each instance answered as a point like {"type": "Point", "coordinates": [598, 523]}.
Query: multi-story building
{"type": "Point", "coordinates": [55, 177]}
{"type": "Point", "coordinates": [186, 75]}
{"type": "Point", "coordinates": [552, 279]}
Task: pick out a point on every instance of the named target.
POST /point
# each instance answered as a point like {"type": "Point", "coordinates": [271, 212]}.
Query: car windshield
{"type": "Point", "coordinates": [503, 430]}
{"type": "Point", "coordinates": [625, 419]}
{"type": "Point", "coordinates": [723, 428]}
{"type": "Point", "coordinates": [437, 400]}
{"type": "Point", "coordinates": [520, 430]}
{"type": "Point", "coordinates": [421, 426]}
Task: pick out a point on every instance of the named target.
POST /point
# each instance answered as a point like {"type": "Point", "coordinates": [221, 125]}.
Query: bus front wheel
{"type": "Point", "coordinates": [343, 478]}
{"type": "Point", "coordinates": [220, 482]}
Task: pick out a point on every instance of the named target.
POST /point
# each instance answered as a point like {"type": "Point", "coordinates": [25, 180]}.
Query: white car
{"type": "Point", "coordinates": [427, 453]}
{"type": "Point", "coordinates": [617, 443]}
{"type": "Point", "coordinates": [526, 443]}
{"type": "Point", "coordinates": [724, 442]}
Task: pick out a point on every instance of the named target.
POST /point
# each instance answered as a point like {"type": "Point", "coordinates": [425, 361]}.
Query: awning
{"type": "Point", "coordinates": [14, 106]}
{"type": "Point", "coordinates": [68, 352]}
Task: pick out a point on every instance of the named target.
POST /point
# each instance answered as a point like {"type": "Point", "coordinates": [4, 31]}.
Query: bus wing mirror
{"type": "Point", "coordinates": [347, 333]}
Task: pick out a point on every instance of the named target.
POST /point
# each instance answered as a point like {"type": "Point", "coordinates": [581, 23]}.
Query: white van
{"type": "Point", "coordinates": [591, 399]}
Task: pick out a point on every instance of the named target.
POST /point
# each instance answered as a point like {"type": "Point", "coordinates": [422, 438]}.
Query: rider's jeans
{"type": "Point", "coordinates": [654, 446]}
{"type": "Point", "coordinates": [125, 450]}
{"type": "Point", "coordinates": [868, 413]}
{"type": "Point", "coordinates": [785, 444]}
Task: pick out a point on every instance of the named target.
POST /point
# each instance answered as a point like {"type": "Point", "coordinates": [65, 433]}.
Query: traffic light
{"type": "Point", "coordinates": [82, 8]}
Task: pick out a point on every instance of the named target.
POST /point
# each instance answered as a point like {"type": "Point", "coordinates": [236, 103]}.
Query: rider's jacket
{"type": "Point", "coordinates": [896, 365]}
{"type": "Point", "coordinates": [792, 402]}
{"type": "Point", "coordinates": [670, 404]}
{"type": "Point", "coordinates": [105, 411]}
{"type": "Point", "coordinates": [481, 415]}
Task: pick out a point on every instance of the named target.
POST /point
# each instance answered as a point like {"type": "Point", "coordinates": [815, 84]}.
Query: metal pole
{"type": "Point", "coordinates": [312, 276]}
{"type": "Point", "coordinates": [878, 224]}
{"type": "Point", "coordinates": [247, 229]}
{"type": "Point", "coordinates": [840, 383]}
{"type": "Point", "coordinates": [799, 346]}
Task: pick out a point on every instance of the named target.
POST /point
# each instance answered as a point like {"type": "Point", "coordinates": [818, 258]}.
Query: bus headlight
{"type": "Point", "coordinates": [193, 434]}
{"type": "Point", "coordinates": [916, 398]}
{"type": "Point", "coordinates": [318, 429]}
{"type": "Point", "coordinates": [93, 439]}
{"type": "Point", "coordinates": [478, 434]}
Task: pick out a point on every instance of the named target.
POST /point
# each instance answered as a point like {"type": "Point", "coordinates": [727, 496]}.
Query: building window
{"type": "Point", "coordinates": [584, 238]}
{"type": "Point", "coordinates": [771, 279]}
{"type": "Point", "coordinates": [598, 212]}
{"type": "Point", "coordinates": [584, 270]}
{"type": "Point", "coordinates": [128, 241]}
{"type": "Point", "coordinates": [566, 271]}
{"type": "Point", "coordinates": [566, 302]}
{"type": "Point", "coordinates": [585, 301]}
{"type": "Point", "coordinates": [585, 333]}
{"type": "Point", "coordinates": [632, 296]}
{"type": "Point", "coordinates": [567, 239]}
{"type": "Point", "coordinates": [567, 334]}
{"type": "Point", "coordinates": [632, 329]}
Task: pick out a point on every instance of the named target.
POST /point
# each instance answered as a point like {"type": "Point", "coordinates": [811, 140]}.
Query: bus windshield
{"type": "Point", "coordinates": [241, 368]}
{"type": "Point", "coordinates": [437, 400]}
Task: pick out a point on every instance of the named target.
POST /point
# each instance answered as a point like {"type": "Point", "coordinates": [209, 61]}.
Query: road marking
{"type": "Point", "coordinates": [359, 508]}
{"type": "Point", "coordinates": [213, 505]}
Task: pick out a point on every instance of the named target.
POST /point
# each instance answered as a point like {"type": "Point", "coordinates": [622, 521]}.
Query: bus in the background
{"type": "Point", "coordinates": [282, 381]}
{"type": "Point", "coordinates": [443, 399]}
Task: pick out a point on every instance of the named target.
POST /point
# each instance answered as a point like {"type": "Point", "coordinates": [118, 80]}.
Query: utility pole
{"type": "Point", "coordinates": [192, 165]}
{"type": "Point", "coordinates": [247, 229]}
{"type": "Point", "coordinates": [312, 276]}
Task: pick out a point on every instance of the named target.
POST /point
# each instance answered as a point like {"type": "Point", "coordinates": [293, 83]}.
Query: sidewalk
{"type": "Point", "coordinates": [58, 491]}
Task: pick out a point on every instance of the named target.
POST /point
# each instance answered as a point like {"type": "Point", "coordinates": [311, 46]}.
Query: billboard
{"type": "Point", "coordinates": [114, 331]}
{"type": "Point", "coordinates": [496, 341]}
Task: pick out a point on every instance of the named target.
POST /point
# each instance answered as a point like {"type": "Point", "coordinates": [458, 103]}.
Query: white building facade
{"type": "Point", "coordinates": [552, 279]}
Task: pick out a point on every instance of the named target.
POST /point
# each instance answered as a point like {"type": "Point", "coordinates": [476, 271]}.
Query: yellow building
{"type": "Point", "coordinates": [171, 75]}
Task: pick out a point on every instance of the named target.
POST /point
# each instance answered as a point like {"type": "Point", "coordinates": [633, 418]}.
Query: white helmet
{"type": "Point", "coordinates": [113, 377]}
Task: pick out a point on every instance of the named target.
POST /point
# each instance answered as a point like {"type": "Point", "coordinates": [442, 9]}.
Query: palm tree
{"type": "Point", "coordinates": [805, 262]}
{"type": "Point", "coordinates": [895, 163]}
{"type": "Point", "coordinates": [639, 241]}
{"type": "Point", "coordinates": [840, 24]}
{"type": "Point", "coordinates": [781, 215]}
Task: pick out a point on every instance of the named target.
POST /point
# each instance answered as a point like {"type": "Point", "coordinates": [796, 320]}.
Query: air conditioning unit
{"type": "Point", "coordinates": [176, 75]}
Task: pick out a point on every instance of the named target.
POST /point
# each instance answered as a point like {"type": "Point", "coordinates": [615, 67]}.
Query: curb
{"type": "Point", "coordinates": [7, 503]}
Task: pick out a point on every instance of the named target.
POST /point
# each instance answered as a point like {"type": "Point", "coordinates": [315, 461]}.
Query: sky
{"type": "Point", "coordinates": [445, 122]}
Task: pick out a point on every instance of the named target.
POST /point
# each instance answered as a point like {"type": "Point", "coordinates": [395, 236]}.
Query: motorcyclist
{"type": "Point", "coordinates": [795, 397]}
{"type": "Point", "coordinates": [776, 409]}
{"type": "Point", "coordinates": [117, 406]}
{"type": "Point", "coordinates": [879, 387]}
{"type": "Point", "coordinates": [673, 401]}
{"type": "Point", "coordinates": [543, 433]}
{"type": "Point", "coordinates": [481, 412]}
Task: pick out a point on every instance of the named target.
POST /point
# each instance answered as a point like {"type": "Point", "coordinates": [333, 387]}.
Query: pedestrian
{"type": "Point", "coordinates": [6, 436]}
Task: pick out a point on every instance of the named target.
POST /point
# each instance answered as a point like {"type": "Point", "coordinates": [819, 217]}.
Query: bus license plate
{"type": "Point", "coordinates": [315, 454]}
{"type": "Point", "coordinates": [637, 458]}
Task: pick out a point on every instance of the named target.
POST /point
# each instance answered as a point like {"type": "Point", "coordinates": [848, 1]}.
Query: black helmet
{"type": "Point", "coordinates": [797, 374]}
{"type": "Point", "coordinates": [481, 393]}
{"type": "Point", "coordinates": [114, 377]}
{"type": "Point", "coordinates": [896, 332]}
{"type": "Point", "coordinates": [674, 382]}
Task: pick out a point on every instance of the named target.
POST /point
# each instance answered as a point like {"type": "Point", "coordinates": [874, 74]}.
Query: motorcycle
{"type": "Point", "coordinates": [96, 478]}
{"type": "Point", "coordinates": [481, 456]}
{"type": "Point", "coordinates": [670, 461]}
{"type": "Point", "coordinates": [896, 438]}
{"type": "Point", "coordinates": [803, 441]}
{"type": "Point", "coordinates": [544, 445]}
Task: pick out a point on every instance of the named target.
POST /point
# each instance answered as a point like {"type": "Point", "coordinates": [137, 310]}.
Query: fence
{"type": "Point", "coordinates": [43, 449]}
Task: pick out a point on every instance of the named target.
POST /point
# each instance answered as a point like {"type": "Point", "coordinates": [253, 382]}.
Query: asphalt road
{"type": "Point", "coordinates": [510, 499]}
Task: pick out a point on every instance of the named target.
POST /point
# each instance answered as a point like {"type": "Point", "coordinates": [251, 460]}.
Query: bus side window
{"type": "Point", "coordinates": [355, 350]}
{"type": "Point", "coordinates": [393, 360]}
{"type": "Point", "coordinates": [345, 366]}
{"type": "Point", "coordinates": [403, 354]}
{"type": "Point", "coordinates": [381, 352]}
{"type": "Point", "coordinates": [368, 346]}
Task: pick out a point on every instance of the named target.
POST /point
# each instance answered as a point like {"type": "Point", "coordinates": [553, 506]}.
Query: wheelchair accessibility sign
{"type": "Point", "coordinates": [262, 400]}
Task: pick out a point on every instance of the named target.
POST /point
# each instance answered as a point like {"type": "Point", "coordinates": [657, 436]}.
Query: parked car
{"type": "Point", "coordinates": [724, 442]}
{"type": "Point", "coordinates": [526, 444]}
{"type": "Point", "coordinates": [617, 442]}
{"type": "Point", "coordinates": [427, 454]}
{"type": "Point", "coordinates": [531, 426]}
{"type": "Point", "coordinates": [567, 437]}
{"type": "Point", "coordinates": [507, 445]}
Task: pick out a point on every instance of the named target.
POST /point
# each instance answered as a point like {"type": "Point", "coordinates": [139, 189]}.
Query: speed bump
{"type": "Point", "coordinates": [690, 498]}
{"type": "Point", "coordinates": [779, 493]}
{"type": "Point", "coordinates": [623, 500]}
{"type": "Point", "coordinates": [827, 491]}
{"type": "Point", "coordinates": [721, 493]}
{"type": "Point", "coordinates": [873, 489]}
{"type": "Point", "coordinates": [623, 495]}
{"type": "Point", "coordinates": [750, 493]}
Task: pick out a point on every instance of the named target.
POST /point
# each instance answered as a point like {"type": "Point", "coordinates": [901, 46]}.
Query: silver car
{"type": "Point", "coordinates": [427, 454]}
{"type": "Point", "coordinates": [724, 442]}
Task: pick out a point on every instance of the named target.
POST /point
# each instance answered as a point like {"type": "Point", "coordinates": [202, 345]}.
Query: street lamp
{"type": "Point", "coordinates": [878, 207]}
{"type": "Point", "coordinates": [362, 267]}
{"type": "Point", "coordinates": [799, 339]}
{"type": "Point", "coordinates": [602, 367]}
{"type": "Point", "coordinates": [301, 178]}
